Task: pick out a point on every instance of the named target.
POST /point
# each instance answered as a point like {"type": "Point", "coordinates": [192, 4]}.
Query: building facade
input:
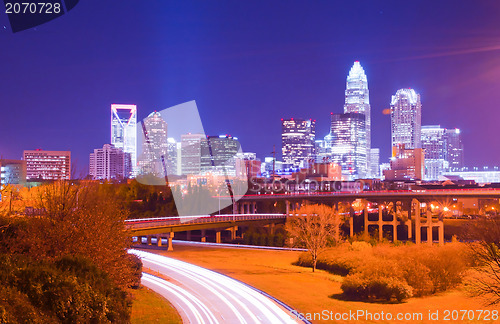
{"type": "Point", "coordinates": [349, 144]}
{"type": "Point", "coordinates": [47, 165]}
{"type": "Point", "coordinates": [406, 164]}
{"type": "Point", "coordinates": [374, 163]}
{"type": "Point", "coordinates": [298, 141]}
{"type": "Point", "coordinates": [153, 158]}
{"type": "Point", "coordinates": [454, 150]}
{"type": "Point", "coordinates": [434, 147]}
{"type": "Point", "coordinates": [218, 154]}
{"type": "Point", "coordinates": [357, 100]}
{"type": "Point", "coordinates": [109, 163]}
{"type": "Point", "coordinates": [191, 153]}
{"type": "Point", "coordinates": [406, 119]}
{"type": "Point", "coordinates": [124, 131]}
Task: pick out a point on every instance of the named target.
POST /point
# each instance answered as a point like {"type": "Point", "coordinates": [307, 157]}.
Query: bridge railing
{"type": "Point", "coordinates": [192, 220]}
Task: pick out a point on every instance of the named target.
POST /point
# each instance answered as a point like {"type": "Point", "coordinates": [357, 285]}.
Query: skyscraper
{"type": "Point", "coordinates": [297, 140]}
{"type": "Point", "coordinates": [454, 152]}
{"type": "Point", "coordinates": [218, 154]}
{"type": "Point", "coordinates": [154, 146]}
{"type": "Point", "coordinates": [406, 118]}
{"type": "Point", "coordinates": [124, 130]}
{"type": "Point", "coordinates": [108, 163]}
{"type": "Point", "coordinates": [191, 153]}
{"type": "Point", "coordinates": [374, 163]}
{"type": "Point", "coordinates": [357, 101]}
{"type": "Point", "coordinates": [349, 144]}
{"type": "Point", "coordinates": [433, 145]}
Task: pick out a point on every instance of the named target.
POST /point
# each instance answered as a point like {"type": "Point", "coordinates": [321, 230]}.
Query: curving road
{"type": "Point", "coordinates": [204, 296]}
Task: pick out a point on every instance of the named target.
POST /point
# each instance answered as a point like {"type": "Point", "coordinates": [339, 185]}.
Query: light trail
{"type": "Point", "coordinates": [204, 292]}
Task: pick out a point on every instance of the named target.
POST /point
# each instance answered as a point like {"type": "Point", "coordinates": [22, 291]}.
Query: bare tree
{"type": "Point", "coordinates": [484, 235]}
{"type": "Point", "coordinates": [314, 227]}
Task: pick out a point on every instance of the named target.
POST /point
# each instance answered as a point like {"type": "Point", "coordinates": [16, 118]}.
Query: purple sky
{"type": "Point", "coordinates": [247, 65]}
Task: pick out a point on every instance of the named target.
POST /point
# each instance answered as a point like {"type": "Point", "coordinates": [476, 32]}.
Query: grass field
{"type": "Point", "coordinates": [308, 292]}
{"type": "Point", "coordinates": [149, 307]}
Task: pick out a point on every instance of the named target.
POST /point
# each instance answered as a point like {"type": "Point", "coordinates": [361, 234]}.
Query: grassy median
{"type": "Point", "coordinates": [308, 292]}
{"type": "Point", "coordinates": [150, 307]}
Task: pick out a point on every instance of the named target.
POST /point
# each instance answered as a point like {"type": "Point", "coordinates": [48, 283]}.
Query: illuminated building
{"type": "Point", "coordinates": [124, 131]}
{"type": "Point", "coordinates": [12, 172]}
{"type": "Point", "coordinates": [349, 144]}
{"type": "Point", "coordinates": [406, 115]}
{"type": "Point", "coordinates": [406, 164]}
{"type": "Point", "coordinates": [173, 157]}
{"type": "Point", "coordinates": [454, 152]}
{"type": "Point", "coordinates": [357, 101]}
{"type": "Point", "coordinates": [433, 144]}
{"type": "Point", "coordinates": [479, 176]}
{"type": "Point", "coordinates": [154, 145]}
{"type": "Point", "coordinates": [297, 140]}
{"type": "Point", "coordinates": [218, 154]}
{"type": "Point", "coordinates": [109, 163]}
{"type": "Point", "coordinates": [191, 153]}
{"type": "Point", "coordinates": [247, 165]}
{"type": "Point", "coordinates": [47, 165]}
{"type": "Point", "coordinates": [374, 162]}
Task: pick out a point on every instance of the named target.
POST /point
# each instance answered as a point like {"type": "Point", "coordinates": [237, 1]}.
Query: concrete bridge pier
{"type": "Point", "coordinates": [188, 235]}
{"type": "Point", "coordinates": [170, 245]}
{"type": "Point", "coordinates": [158, 240]}
{"type": "Point", "coordinates": [429, 226]}
{"type": "Point", "coordinates": [233, 232]}
{"type": "Point", "coordinates": [287, 204]}
{"type": "Point", "coordinates": [149, 239]}
{"type": "Point", "coordinates": [418, 233]}
{"type": "Point", "coordinates": [203, 235]}
{"type": "Point", "coordinates": [217, 236]}
{"type": "Point", "coordinates": [380, 223]}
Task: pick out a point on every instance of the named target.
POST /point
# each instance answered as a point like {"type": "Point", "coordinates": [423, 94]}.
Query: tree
{"type": "Point", "coordinates": [484, 235]}
{"type": "Point", "coordinates": [314, 227]}
{"type": "Point", "coordinates": [80, 219]}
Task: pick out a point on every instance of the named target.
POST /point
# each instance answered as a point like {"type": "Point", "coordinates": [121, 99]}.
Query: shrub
{"type": "Point", "coordinates": [375, 288]}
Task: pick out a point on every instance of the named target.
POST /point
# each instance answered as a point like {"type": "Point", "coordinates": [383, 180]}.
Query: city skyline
{"type": "Point", "coordinates": [248, 76]}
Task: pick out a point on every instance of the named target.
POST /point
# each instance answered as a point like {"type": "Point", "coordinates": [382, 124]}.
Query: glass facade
{"type": "Point", "coordinates": [298, 141]}
{"type": "Point", "coordinates": [349, 144]}
{"type": "Point", "coordinates": [433, 144]}
{"type": "Point", "coordinates": [406, 119]}
{"type": "Point", "coordinates": [154, 145]}
{"type": "Point", "coordinates": [357, 101]}
{"type": "Point", "coordinates": [124, 130]}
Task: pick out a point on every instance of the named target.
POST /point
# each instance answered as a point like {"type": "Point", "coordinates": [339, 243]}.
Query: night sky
{"type": "Point", "coordinates": [248, 64]}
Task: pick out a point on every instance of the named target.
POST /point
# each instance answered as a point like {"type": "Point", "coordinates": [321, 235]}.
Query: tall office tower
{"type": "Point", "coordinates": [454, 153]}
{"type": "Point", "coordinates": [124, 131]}
{"type": "Point", "coordinates": [218, 154]}
{"type": "Point", "coordinates": [349, 144]}
{"type": "Point", "coordinates": [47, 165]}
{"type": "Point", "coordinates": [406, 115]}
{"type": "Point", "coordinates": [374, 162]}
{"type": "Point", "coordinates": [154, 145]}
{"type": "Point", "coordinates": [173, 157]}
{"type": "Point", "coordinates": [297, 140]}
{"type": "Point", "coordinates": [357, 100]}
{"type": "Point", "coordinates": [109, 163]}
{"type": "Point", "coordinates": [191, 153]}
{"type": "Point", "coordinates": [434, 147]}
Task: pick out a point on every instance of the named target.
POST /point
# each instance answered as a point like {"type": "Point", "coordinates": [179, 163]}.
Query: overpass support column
{"type": "Point", "coordinates": [188, 235]}
{"type": "Point", "coordinates": [203, 235]}
{"type": "Point", "coordinates": [170, 245]}
{"type": "Point", "coordinates": [380, 223]}
{"type": "Point", "coordinates": [149, 239]}
{"type": "Point", "coordinates": [418, 228]}
{"type": "Point", "coordinates": [271, 228]}
{"type": "Point", "coordinates": [351, 221]}
{"type": "Point", "coordinates": [287, 204]}
{"type": "Point", "coordinates": [139, 240]}
{"type": "Point", "coordinates": [233, 232]}
{"type": "Point", "coordinates": [395, 224]}
{"type": "Point", "coordinates": [408, 222]}
{"type": "Point", "coordinates": [242, 208]}
{"type": "Point", "coordinates": [217, 236]}
{"type": "Point", "coordinates": [255, 207]}
{"type": "Point", "coordinates": [365, 214]}
{"type": "Point", "coordinates": [441, 232]}
{"type": "Point", "coordinates": [429, 227]}
{"type": "Point", "coordinates": [158, 240]}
